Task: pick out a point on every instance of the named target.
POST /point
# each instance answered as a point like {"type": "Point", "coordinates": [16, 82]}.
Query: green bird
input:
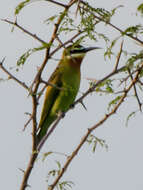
{"type": "Point", "coordinates": [63, 88]}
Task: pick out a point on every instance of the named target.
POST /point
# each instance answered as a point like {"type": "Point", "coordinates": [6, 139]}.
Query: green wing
{"type": "Point", "coordinates": [50, 95]}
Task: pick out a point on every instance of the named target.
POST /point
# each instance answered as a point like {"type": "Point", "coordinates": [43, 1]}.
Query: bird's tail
{"type": "Point", "coordinates": [44, 128]}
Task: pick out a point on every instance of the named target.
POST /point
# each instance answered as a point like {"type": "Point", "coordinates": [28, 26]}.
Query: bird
{"type": "Point", "coordinates": [64, 85]}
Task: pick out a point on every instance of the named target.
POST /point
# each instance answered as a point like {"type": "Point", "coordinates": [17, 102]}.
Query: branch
{"type": "Point", "coordinates": [135, 90]}
{"type": "Point", "coordinates": [119, 30]}
{"type": "Point", "coordinates": [24, 30]}
{"type": "Point", "coordinates": [34, 148]}
{"type": "Point", "coordinates": [84, 138]}
{"type": "Point", "coordinates": [57, 3]}
{"type": "Point", "coordinates": [12, 76]}
{"type": "Point", "coordinates": [112, 25]}
{"type": "Point", "coordinates": [119, 56]}
{"type": "Point", "coordinates": [98, 83]}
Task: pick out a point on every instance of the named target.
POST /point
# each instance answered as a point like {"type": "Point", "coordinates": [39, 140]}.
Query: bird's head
{"type": "Point", "coordinates": [77, 51]}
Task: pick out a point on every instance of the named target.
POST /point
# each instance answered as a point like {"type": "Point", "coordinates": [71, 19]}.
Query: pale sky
{"type": "Point", "coordinates": [120, 167]}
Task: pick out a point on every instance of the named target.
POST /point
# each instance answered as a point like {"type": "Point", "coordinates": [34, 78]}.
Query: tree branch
{"type": "Point", "coordinates": [112, 25]}
{"type": "Point", "coordinates": [135, 90]}
{"type": "Point", "coordinates": [57, 3]}
{"type": "Point", "coordinates": [12, 76]}
{"type": "Point", "coordinates": [24, 30]}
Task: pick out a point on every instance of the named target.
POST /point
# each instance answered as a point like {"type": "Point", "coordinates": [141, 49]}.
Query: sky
{"type": "Point", "coordinates": [118, 168]}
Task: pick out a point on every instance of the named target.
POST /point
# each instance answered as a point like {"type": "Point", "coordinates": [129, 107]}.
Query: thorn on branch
{"type": "Point", "coordinates": [27, 123]}
{"type": "Point", "coordinates": [21, 170]}
{"type": "Point", "coordinates": [81, 102]}
{"type": "Point", "coordinates": [1, 63]}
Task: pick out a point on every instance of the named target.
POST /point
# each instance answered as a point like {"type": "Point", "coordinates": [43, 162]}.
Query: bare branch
{"type": "Point", "coordinates": [57, 3]}
{"type": "Point", "coordinates": [12, 76]}
{"type": "Point", "coordinates": [50, 84]}
{"type": "Point", "coordinates": [78, 7]}
{"type": "Point", "coordinates": [27, 123]}
{"type": "Point", "coordinates": [24, 30]}
{"type": "Point", "coordinates": [34, 148]}
{"type": "Point", "coordinates": [135, 90]}
{"type": "Point", "coordinates": [119, 56]}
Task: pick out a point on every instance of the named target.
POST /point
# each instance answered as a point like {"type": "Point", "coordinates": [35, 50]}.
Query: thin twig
{"type": "Point", "coordinates": [12, 76]}
{"type": "Point", "coordinates": [57, 3]}
{"type": "Point", "coordinates": [119, 56]}
{"type": "Point", "coordinates": [50, 84]}
{"type": "Point", "coordinates": [78, 7]}
{"type": "Point", "coordinates": [135, 90]}
{"type": "Point", "coordinates": [34, 148]}
{"type": "Point", "coordinates": [24, 30]}
{"type": "Point", "coordinates": [97, 83]}
{"type": "Point", "coordinates": [119, 30]}
{"type": "Point", "coordinates": [27, 123]}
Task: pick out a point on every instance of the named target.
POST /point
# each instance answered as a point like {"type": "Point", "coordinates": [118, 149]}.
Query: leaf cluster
{"type": "Point", "coordinates": [94, 141]}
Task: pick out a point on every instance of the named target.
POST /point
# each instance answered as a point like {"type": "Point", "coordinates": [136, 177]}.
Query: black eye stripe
{"type": "Point", "coordinates": [77, 51]}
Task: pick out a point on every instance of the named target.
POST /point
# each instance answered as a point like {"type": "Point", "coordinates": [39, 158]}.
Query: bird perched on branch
{"type": "Point", "coordinates": [65, 82]}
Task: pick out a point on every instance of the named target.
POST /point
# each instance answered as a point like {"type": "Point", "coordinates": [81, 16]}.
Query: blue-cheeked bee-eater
{"type": "Point", "coordinates": [65, 82]}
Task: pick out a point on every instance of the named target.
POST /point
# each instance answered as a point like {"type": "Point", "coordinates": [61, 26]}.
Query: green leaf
{"type": "Point", "coordinates": [24, 57]}
{"type": "Point", "coordinates": [21, 6]}
{"type": "Point", "coordinates": [114, 102]}
{"type": "Point", "coordinates": [140, 9]}
{"type": "Point", "coordinates": [135, 57]}
{"type": "Point", "coordinates": [132, 114]}
{"type": "Point", "coordinates": [109, 51]}
{"type": "Point", "coordinates": [50, 19]}
{"type": "Point", "coordinates": [45, 155]}
{"type": "Point", "coordinates": [64, 185]}
{"type": "Point", "coordinates": [105, 86]}
{"type": "Point", "coordinates": [93, 140]}
{"type": "Point", "coordinates": [109, 89]}
{"type": "Point", "coordinates": [133, 30]}
{"type": "Point", "coordinates": [115, 9]}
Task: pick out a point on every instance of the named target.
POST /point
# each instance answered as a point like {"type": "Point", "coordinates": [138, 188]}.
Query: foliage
{"type": "Point", "coordinates": [62, 185]}
{"type": "Point", "coordinates": [92, 140]}
{"type": "Point", "coordinates": [21, 6]}
{"type": "Point", "coordinates": [140, 9]}
{"type": "Point", "coordinates": [24, 57]}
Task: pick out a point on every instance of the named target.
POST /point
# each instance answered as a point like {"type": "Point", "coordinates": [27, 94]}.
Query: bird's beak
{"type": "Point", "coordinates": [90, 48]}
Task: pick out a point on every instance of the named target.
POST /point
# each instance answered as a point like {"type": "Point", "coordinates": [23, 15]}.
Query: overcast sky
{"type": "Point", "coordinates": [121, 167]}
